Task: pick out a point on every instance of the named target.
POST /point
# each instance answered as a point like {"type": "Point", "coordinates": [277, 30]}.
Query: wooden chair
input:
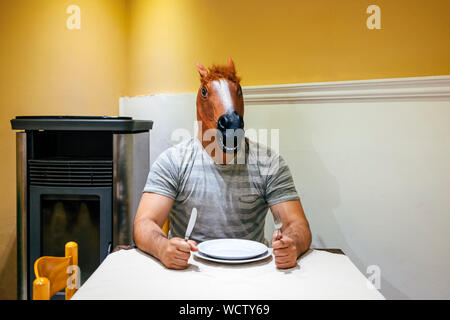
{"type": "Point", "coordinates": [52, 274]}
{"type": "Point", "coordinates": [166, 226]}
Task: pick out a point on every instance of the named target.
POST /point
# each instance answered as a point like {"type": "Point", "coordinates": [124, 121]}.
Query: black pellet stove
{"type": "Point", "coordinates": [78, 179]}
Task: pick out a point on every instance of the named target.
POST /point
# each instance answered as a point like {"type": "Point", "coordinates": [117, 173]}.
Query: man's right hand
{"type": "Point", "coordinates": [175, 253]}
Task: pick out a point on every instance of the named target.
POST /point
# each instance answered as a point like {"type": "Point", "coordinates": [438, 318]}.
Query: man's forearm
{"type": "Point", "coordinates": [301, 234]}
{"type": "Point", "coordinates": [149, 237]}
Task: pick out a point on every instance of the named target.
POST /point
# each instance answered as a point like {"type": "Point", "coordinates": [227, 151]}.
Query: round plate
{"type": "Point", "coordinates": [258, 258]}
{"type": "Point", "coordinates": [232, 249]}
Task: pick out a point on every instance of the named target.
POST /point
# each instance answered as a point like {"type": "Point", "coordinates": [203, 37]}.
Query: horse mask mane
{"type": "Point", "coordinates": [220, 110]}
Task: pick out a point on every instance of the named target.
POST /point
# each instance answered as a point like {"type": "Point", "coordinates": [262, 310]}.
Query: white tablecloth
{"type": "Point", "coordinates": [132, 274]}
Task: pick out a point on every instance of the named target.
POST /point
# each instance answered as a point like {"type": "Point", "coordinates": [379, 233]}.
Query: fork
{"type": "Point", "coordinates": [278, 223]}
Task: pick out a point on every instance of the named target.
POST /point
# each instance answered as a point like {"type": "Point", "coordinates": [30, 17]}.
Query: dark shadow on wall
{"type": "Point", "coordinates": [8, 272]}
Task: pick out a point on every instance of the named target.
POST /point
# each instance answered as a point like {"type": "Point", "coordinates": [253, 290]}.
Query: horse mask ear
{"type": "Point", "coordinates": [231, 64]}
{"type": "Point", "coordinates": [202, 70]}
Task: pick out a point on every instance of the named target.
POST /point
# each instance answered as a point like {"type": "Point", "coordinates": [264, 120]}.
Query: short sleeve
{"type": "Point", "coordinates": [163, 176]}
{"type": "Point", "coordinates": [279, 186]}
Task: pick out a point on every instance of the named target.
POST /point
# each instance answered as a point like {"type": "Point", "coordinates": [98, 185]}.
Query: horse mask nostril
{"type": "Point", "coordinates": [222, 123]}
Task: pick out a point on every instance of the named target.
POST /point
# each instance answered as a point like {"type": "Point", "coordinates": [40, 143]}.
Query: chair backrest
{"type": "Point", "coordinates": [52, 274]}
{"type": "Point", "coordinates": [166, 226]}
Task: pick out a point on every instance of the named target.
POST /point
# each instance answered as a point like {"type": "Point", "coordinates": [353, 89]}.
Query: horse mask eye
{"type": "Point", "coordinates": [204, 92]}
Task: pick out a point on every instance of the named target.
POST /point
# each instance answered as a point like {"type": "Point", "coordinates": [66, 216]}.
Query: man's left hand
{"type": "Point", "coordinates": [285, 251]}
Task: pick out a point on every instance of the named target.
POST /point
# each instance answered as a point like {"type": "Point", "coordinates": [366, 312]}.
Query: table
{"type": "Point", "coordinates": [133, 274]}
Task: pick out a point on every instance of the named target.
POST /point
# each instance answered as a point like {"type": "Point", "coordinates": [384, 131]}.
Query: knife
{"type": "Point", "coordinates": [191, 224]}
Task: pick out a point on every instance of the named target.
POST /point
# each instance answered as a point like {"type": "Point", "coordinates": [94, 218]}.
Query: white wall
{"type": "Point", "coordinates": [371, 161]}
{"type": "Point", "coordinates": [168, 112]}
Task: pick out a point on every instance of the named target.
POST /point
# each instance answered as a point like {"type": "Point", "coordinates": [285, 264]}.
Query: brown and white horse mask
{"type": "Point", "coordinates": [220, 111]}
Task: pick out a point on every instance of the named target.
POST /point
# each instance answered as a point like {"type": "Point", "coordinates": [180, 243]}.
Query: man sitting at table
{"type": "Point", "coordinates": [232, 185]}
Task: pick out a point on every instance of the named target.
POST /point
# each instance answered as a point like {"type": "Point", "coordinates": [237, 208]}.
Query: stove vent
{"type": "Point", "coordinates": [73, 173]}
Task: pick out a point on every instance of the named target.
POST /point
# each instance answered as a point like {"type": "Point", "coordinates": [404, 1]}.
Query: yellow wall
{"type": "Point", "coordinates": [285, 41]}
{"type": "Point", "coordinates": [131, 47]}
{"type": "Point", "coordinates": [47, 69]}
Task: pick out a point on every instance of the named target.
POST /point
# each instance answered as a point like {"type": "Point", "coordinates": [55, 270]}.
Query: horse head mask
{"type": "Point", "coordinates": [220, 107]}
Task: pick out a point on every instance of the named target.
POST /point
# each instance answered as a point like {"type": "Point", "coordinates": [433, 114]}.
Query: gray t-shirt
{"type": "Point", "coordinates": [232, 200]}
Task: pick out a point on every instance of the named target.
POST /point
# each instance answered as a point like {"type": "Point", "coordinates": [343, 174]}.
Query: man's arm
{"type": "Point", "coordinates": [152, 212]}
{"type": "Point", "coordinates": [295, 234]}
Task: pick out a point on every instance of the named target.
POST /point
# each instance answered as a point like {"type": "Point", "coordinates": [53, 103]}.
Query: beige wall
{"type": "Point", "coordinates": [286, 41]}
{"type": "Point", "coordinates": [47, 69]}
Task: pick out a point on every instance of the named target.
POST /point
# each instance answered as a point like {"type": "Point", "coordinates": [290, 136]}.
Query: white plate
{"type": "Point", "coordinates": [227, 261]}
{"type": "Point", "coordinates": [232, 249]}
